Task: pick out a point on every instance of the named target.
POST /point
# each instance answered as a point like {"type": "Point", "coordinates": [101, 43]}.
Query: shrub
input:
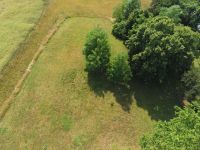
{"type": "Point", "coordinates": [119, 70]}
{"type": "Point", "coordinates": [181, 132]}
{"type": "Point", "coordinates": [158, 49]}
{"type": "Point", "coordinates": [97, 51]}
{"type": "Point", "coordinates": [191, 84]}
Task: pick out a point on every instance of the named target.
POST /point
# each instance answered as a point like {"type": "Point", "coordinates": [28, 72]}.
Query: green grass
{"type": "Point", "coordinates": [59, 86]}
{"type": "Point", "coordinates": [60, 107]}
{"type": "Point", "coordinates": [17, 19]}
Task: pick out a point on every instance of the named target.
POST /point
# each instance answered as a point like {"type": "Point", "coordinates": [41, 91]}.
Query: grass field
{"type": "Point", "coordinates": [17, 19]}
{"type": "Point", "coordinates": [60, 107]}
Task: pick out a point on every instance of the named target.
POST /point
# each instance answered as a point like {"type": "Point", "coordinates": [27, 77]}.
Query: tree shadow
{"type": "Point", "coordinates": [100, 86]}
{"type": "Point", "coordinates": [158, 100]}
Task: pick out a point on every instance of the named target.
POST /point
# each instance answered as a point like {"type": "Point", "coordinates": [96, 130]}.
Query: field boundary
{"type": "Point", "coordinates": [6, 104]}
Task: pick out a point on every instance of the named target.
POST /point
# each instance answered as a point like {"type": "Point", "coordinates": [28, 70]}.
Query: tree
{"type": "Point", "coordinates": [191, 13]}
{"type": "Point", "coordinates": [97, 51]}
{"type": "Point", "coordinates": [123, 10]}
{"type": "Point", "coordinates": [191, 84]}
{"type": "Point", "coordinates": [156, 5]}
{"type": "Point", "coordinates": [174, 12]}
{"type": "Point", "coordinates": [158, 49]}
{"type": "Point", "coordinates": [180, 133]}
{"type": "Point", "coordinates": [190, 8]}
{"type": "Point", "coordinates": [121, 29]}
{"type": "Point", "coordinates": [119, 70]}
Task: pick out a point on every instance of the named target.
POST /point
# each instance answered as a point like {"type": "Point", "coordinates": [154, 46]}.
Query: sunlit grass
{"type": "Point", "coordinates": [17, 18]}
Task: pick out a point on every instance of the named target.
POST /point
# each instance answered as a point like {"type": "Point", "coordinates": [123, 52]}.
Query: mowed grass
{"type": "Point", "coordinates": [53, 11]}
{"type": "Point", "coordinates": [59, 107]}
{"type": "Point", "coordinates": [17, 18]}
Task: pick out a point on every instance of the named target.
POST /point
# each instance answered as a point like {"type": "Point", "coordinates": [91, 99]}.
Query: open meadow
{"type": "Point", "coordinates": [17, 19]}
{"type": "Point", "coordinates": [59, 106]}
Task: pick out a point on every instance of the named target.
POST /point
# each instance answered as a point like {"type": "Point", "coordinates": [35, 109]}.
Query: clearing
{"type": "Point", "coordinates": [59, 107]}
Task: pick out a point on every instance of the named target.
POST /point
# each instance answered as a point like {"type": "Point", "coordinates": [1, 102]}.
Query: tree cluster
{"type": "Point", "coordinates": [159, 46]}
{"type": "Point", "coordinates": [97, 55]}
{"type": "Point", "coordinates": [180, 133]}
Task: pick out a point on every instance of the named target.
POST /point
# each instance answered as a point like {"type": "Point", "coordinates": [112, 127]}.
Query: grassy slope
{"type": "Point", "coordinates": [60, 108]}
{"type": "Point", "coordinates": [17, 18]}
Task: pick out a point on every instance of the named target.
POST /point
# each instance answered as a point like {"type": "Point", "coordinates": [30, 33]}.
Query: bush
{"type": "Point", "coordinates": [158, 49]}
{"type": "Point", "coordinates": [97, 51]}
{"type": "Point", "coordinates": [119, 70]}
{"type": "Point", "coordinates": [191, 84]}
{"type": "Point", "coordinates": [180, 133]}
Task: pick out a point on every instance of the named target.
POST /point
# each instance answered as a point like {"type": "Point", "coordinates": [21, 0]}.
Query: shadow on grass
{"type": "Point", "coordinates": [158, 100]}
{"type": "Point", "coordinates": [100, 86]}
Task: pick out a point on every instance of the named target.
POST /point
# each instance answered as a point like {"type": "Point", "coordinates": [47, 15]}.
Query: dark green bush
{"type": "Point", "coordinates": [119, 70]}
{"type": "Point", "coordinates": [97, 51]}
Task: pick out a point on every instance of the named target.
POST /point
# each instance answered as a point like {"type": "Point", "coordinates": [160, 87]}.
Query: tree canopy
{"type": "Point", "coordinates": [180, 133]}
{"type": "Point", "coordinates": [97, 51]}
{"type": "Point", "coordinates": [159, 49]}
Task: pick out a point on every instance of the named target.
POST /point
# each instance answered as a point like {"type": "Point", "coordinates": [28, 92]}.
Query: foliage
{"type": "Point", "coordinates": [156, 5]}
{"type": "Point", "coordinates": [191, 13]}
{"type": "Point", "coordinates": [121, 29]}
{"type": "Point", "coordinates": [123, 10]}
{"type": "Point", "coordinates": [97, 51]}
{"type": "Point", "coordinates": [174, 12]}
{"type": "Point", "coordinates": [191, 83]}
{"type": "Point", "coordinates": [181, 132]}
{"type": "Point", "coordinates": [119, 70]}
{"type": "Point", "coordinates": [159, 49]}
{"type": "Point", "coordinates": [191, 10]}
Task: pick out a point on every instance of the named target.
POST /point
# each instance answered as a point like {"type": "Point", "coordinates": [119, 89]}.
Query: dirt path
{"type": "Point", "coordinates": [6, 104]}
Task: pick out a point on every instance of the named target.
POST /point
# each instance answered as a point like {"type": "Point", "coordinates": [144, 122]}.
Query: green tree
{"type": "Point", "coordinates": [191, 83]}
{"type": "Point", "coordinates": [174, 12]}
{"type": "Point", "coordinates": [121, 29]}
{"type": "Point", "coordinates": [97, 51]}
{"type": "Point", "coordinates": [122, 11]}
{"type": "Point", "coordinates": [180, 133]}
{"type": "Point", "coordinates": [156, 5]}
{"type": "Point", "coordinates": [191, 13]}
{"type": "Point", "coordinates": [119, 70]}
{"type": "Point", "coordinates": [190, 8]}
{"type": "Point", "coordinates": [158, 49]}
